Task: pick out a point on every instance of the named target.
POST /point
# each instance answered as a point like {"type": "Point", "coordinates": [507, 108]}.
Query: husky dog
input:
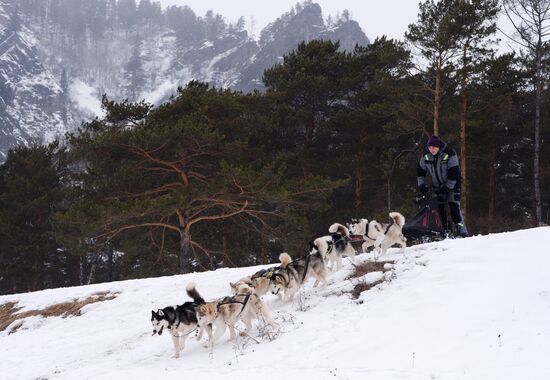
{"type": "Point", "coordinates": [218, 315]}
{"type": "Point", "coordinates": [365, 229]}
{"type": "Point", "coordinates": [261, 281]}
{"type": "Point", "coordinates": [179, 320]}
{"type": "Point", "coordinates": [334, 246]}
{"type": "Point", "coordinates": [381, 235]}
{"type": "Point", "coordinates": [293, 274]}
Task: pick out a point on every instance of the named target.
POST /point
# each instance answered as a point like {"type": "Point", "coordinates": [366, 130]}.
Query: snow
{"type": "Point", "coordinates": [163, 91]}
{"type": "Point", "coordinates": [474, 308]}
{"type": "Point", "coordinates": [86, 98]}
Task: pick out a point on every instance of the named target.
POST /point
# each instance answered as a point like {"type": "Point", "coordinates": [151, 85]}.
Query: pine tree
{"type": "Point", "coordinates": [531, 19]}
{"type": "Point", "coordinates": [371, 122]}
{"type": "Point", "coordinates": [503, 193]}
{"type": "Point", "coordinates": [111, 18]}
{"type": "Point", "coordinates": [134, 74]}
{"type": "Point", "coordinates": [435, 35]}
{"type": "Point", "coordinates": [30, 192]}
{"type": "Point", "coordinates": [126, 13]}
{"type": "Point", "coordinates": [167, 179]}
{"type": "Point", "coordinates": [75, 23]}
{"type": "Point", "coordinates": [305, 81]}
{"type": "Point", "coordinates": [477, 20]}
{"type": "Point", "coordinates": [215, 25]}
{"type": "Point", "coordinates": [64, 95]}
{"type": "Point", "coordinates": [96, 14]}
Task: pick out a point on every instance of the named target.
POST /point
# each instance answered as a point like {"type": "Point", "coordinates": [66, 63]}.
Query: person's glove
{"type": "Point", "coordinates": [422, 189]}
{"type": "Point", "coordinates": [420, 197]}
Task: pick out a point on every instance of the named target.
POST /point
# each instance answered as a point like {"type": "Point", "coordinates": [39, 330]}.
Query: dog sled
{"type": "Point", "coordinates": [427, 225]}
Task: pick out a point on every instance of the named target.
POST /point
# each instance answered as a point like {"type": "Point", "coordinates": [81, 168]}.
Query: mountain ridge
{"type": "Point", "coordinates": [147, 60]}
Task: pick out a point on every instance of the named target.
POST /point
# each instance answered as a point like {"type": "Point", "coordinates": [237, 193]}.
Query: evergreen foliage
{"type": "Point", "coordinates": [31, 190]}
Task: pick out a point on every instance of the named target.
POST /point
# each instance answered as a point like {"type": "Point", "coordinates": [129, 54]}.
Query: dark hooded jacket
{"type": "Point", "coordinates": [443, 168]}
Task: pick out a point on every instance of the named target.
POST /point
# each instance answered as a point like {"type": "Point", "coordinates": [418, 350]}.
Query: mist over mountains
{"type": "Point", "coordinates": [57, 57]}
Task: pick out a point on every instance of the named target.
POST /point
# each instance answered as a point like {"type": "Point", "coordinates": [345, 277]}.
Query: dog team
{"type": "Point", "coordinates": [284, 281]}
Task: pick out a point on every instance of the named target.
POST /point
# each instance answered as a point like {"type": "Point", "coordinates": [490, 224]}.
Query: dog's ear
{"type": "Point", "coordinates": [160, 313]}
{"type": "Point", "coordinates": [153, 314]}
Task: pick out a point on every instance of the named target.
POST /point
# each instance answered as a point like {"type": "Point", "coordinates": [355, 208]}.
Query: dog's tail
{"type": "Point", "coordinates": [193, 293]}
{"type": "Point", "coordinates": [398, 218]}
{"type": "Point", "coordinates": [285, 259]}
{"type": "Point", "coordinates": [337, 228]}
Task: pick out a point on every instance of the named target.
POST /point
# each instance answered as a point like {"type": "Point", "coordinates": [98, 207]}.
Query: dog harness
{"type": "Point", "coordinates": [392, 222]}
{"type": "Point", "coordinates": [294, 271]}
{"type": "Point", "coordinates": [330, 247]}
{"type": "Point", "coordinates": [268, 273]}
{"type": "Point", "coordinates": [229, 300]}
{"type": "Point", "coordinates": [367, 232]}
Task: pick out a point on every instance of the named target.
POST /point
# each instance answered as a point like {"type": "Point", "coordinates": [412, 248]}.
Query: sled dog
{"type": "Point", "coordinates": [380, 235]}
{"type": "Point", "coordinates": [365, 229]}
{"type": "Point", "coordinates": [336, 245]}
{"type": "Point", "coordinates": [261, 281]}
{"type": "Point", "coordinates": [218, 315]}
{"type": "Point", "coordinates": [293, 274]}
{"type": "Point", "coordinates": [180, 321]}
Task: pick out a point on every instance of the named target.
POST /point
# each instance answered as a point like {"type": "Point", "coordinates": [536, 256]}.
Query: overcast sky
{"type": "Point", "coordinates": [376, 17]}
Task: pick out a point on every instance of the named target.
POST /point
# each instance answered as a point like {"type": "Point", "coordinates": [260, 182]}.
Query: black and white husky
{"type": "Point", "coordinates": [180, 320]}
{"type": "Point", "coordinates": [334, 246]}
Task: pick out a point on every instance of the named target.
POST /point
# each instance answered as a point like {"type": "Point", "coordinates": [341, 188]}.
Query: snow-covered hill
{"type": "Point", "coordinates": [476, 308]}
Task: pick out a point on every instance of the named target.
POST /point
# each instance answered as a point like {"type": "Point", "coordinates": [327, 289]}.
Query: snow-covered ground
{"type": "Point", "coordinates": [475, 308]}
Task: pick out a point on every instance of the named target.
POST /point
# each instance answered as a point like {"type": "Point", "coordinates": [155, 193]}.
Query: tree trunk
{"type": "Point", "coordinates": [464, 107]}
{"type": "Point", "coordinates": [492, 166]}
{"type": "Point", "coordinates": [536, 160]}
{"type": "Point", "coordinates": [225, 249]}
{"type": "Point", "coordinates": [389, 192]}
{"type": "Point", "coordinates": [185, 251]}
{"type": "Point", "coordinates": [305, 168]}
{"type": "Point", "coordinates": [91, 275]}
{"type": "Point", "coordinates": [358, 186]}
{"type": "Point", "coordinates": [310, 127]}
{"type": "Point", "coordinates": [82, 269]}
{"type": "Point", "coordinates": [36, 269]}
{"type": "Point", "coordinates": [437, 100]}
{"type": "Point", "coordinates": [110, 264]}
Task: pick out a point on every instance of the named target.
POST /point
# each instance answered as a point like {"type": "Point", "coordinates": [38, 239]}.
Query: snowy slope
{"type": "Point", "coordinates": [476, 308]}
{"type": "Point", "coordinates": [30, 109]}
